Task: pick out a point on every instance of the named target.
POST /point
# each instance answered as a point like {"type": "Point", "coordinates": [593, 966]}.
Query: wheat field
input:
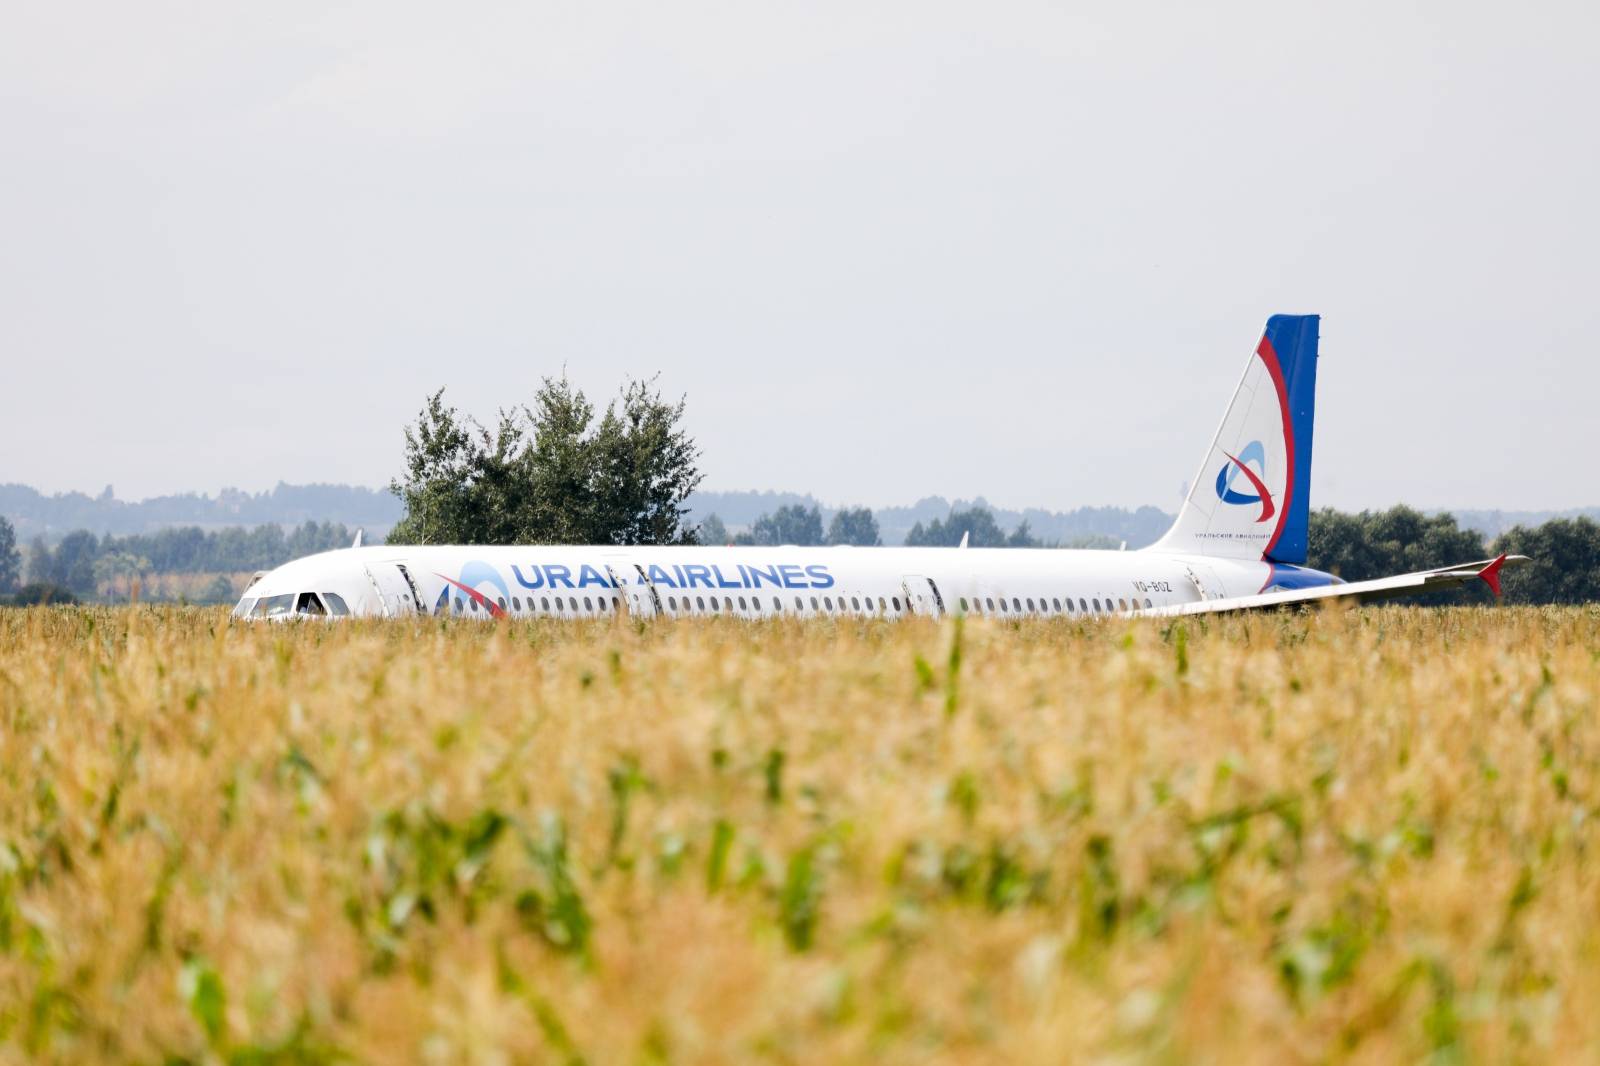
{"type": "Point", "coordinates": [1360, 836]}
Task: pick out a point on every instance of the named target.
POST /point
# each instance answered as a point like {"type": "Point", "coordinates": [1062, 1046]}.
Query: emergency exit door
{"type": "Point", "coordinates": [922, 595]}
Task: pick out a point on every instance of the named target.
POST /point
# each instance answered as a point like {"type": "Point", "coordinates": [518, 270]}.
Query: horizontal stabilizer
{"type": "Point", "coordinates": [1485, 570]}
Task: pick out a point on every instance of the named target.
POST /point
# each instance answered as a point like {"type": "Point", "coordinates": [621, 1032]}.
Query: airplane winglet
{"type": "Point", "coordinates": [360, 535]}
{"type": "Point", "coordinates": [964, 538]}
{"type": "Point", "coordinates": [1491, 574]}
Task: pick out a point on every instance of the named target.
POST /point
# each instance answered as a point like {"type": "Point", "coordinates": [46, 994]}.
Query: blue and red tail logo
{"type": "Point", "coordinates": [1238, 464]}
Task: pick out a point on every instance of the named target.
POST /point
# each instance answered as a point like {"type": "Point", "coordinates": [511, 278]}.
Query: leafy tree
{"type": "Point", "coordinates": [72, 562]}
{"type": "Point", "coordinates": [40, 592]}
{"type": "Point", "coordinates": [792, 524]}
{"type": "Point", "coordinates": [552, 472]}
{"type": "Point", "coordinates": [1564, 564]}
{"type": "Point", "coordinates": [313, 537]}
{"type": "Point", "coordinates": [1400, 540]}
{"type": "Point", "coordinates": [648, 470]}
{"type": "Point", "coordinates": [173, 549]}
{"type": "Point", "coordinates": [1381, 543]}
{"type": "Point", "coordinates": [1092, 542]}
{"type": "Point", "coordinates": [38, 564]}
{"type": "Point", "coordinates": [977, 524]}
{"type": "Point", "coordinates": [712, 531]}
{"type": "Point", "coordinates": [437, 489]}
{"type": "Point", "coordinates": [220, 590]}
{"type": "Point", "coordinates": [116, 571]}
{"type": "Point", "coordinates": [10, 558]}
{"type": "Point", "coordinates": [1022, 537]}
{"type": "Point", "coordinates": [854, 526]}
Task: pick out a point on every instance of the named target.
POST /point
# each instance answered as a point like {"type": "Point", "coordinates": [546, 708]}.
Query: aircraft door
{"type": "Point", "coordinates": [1204, 579]}
{"type": "Point", "coordinates": [922, 595]}
{"type": "Point", "coordinates": [392, 586]}
{"type": "Point", "coordinates": [638, 594]}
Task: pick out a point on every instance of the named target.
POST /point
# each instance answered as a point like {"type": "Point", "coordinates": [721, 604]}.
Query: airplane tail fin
{"type": "Point", "coordinates": [1251, 498]}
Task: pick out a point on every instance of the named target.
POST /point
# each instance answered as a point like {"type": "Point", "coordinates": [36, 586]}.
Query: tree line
{"type": "Point", "coordinates": [82, 563]}
{"type": "Point", "coordinates": [32, 512]}
{"type": "Point", "coordinates": [561, 470]}
{"type": "Point", "coordinates": [796, 524]}
{"type": "Point", "coordinates": [800, 525]}
{"type": "Point", "coordinates": [1565, 552]}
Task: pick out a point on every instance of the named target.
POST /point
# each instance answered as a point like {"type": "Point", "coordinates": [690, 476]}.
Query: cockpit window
{"type": "Point", "coordinates": [309, 604]}
{"type": "Point", "coordinates": [243, 610]}
{"type": "Point", "coordinates": [274, 606]}
{"type": "Point", "coordinates": [335, 602]}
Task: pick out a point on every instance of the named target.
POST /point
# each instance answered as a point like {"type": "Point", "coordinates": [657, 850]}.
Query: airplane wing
{"type": "Point", "coordinates": [1485, 570]}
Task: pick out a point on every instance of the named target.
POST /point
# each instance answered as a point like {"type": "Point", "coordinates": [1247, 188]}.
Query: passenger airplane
{"type": "Point", "coordinates": [1239, 542]}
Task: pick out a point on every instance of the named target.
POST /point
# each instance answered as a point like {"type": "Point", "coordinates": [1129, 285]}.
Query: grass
{"type": "Point", "coordinates": [1361, 836]}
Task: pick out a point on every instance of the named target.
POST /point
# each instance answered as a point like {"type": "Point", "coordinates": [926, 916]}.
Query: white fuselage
{"type": "Point", "coordinates": [1247, 508]}
{"type": "Point", "coordinates": [567, 582]}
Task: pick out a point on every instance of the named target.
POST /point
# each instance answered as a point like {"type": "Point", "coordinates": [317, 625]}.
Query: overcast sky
{"type": "Point", "coordinates": [886, 250]}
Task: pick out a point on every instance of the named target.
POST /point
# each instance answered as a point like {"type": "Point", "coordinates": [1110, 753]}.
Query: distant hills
{"type": "Point", "coordinates": [53, 516]}
{"type": "Point", "coordinates": [34, 513]}
{"type": "Point", "coordinates": [1493, 523]}
{"type": "Point", "coordinates": [1088, 526]}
